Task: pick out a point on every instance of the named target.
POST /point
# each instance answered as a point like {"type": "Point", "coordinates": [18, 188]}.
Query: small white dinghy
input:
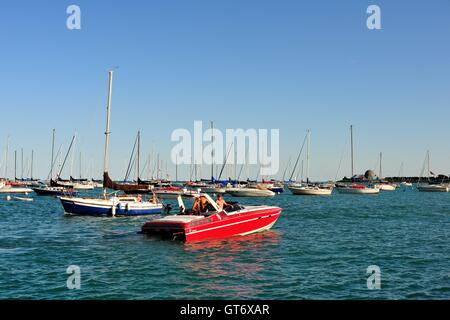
{"type": "Point", "coordinates": [9, 198]}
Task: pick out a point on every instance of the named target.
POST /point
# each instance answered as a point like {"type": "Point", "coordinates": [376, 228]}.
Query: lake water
{"type": "Point", "coordinates": [319, 248]}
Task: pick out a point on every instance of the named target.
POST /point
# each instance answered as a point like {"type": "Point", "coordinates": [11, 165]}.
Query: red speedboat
{"type": "Point", "coordinates": [214, 223]}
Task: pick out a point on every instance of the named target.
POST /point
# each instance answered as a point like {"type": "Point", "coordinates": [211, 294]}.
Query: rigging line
{"type": "Point", "coordinates": [298, 158]}
{"type": "Point", "coordinates": [226, 159]}
{"type": "Point", "coordinates": [340, 161]}
{"type": "Point", "coordinates": [131, 159]}
{"type": "Point", "coordinates": [67, 154]}
{"type": "Point", "coordinates": [423, 167]}
{"type": "Point", "coordinates": [287, 166]}
{"type": "Point", "coordinates": [54, 161]}
{"type": "Point", "coordinates": [143, 169]}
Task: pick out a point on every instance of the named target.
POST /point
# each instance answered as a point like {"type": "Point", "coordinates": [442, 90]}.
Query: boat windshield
{"type": "Point", "coordinates": [202, 205]}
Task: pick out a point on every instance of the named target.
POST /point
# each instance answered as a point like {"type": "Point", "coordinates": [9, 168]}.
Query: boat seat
{"type": "Point", "coordinates": [233, 206]}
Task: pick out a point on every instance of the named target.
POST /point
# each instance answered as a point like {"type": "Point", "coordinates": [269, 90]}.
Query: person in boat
{"type": "Point", "coordinates": [153, 198]}
{"type": "Point", "coordinates": [139, 198]}
{"type": "Point", "coordinates": [196, 206]}
{"type": "Point", "coordinates": [200, 205]}
{"type": "Point", "coordinates": [203, 204]}
{"type": "Point", "coordinates": [221, 202]}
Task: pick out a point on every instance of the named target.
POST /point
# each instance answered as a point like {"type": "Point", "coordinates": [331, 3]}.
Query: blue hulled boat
{"type": "Point", "coordinates": [112, 206]}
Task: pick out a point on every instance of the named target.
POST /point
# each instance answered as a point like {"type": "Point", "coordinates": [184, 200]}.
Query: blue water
{"type": "Point", "coordinates": [320, 248]}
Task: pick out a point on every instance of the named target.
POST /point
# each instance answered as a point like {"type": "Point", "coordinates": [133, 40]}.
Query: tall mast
{"type": "Point", "coordinates": [157, 167]}
{"type": "Point", "coordinates": [21, 164]}
{"type": "Point", "coordinates": [32, 156]}
{"type": "Point", "coordinates": [72, 159]}
{"type": "Point", "coordinates": [235, 164]}
{"type": "Point", "coordinates": [15, 165]}
{"type": "Point", "coordinates": [80, 165]}
{"type": "Point", "coordinates": [212, 151]}
{"type": "Point", "coordinates": [107, 132]}
{"type": "Point", "coordinates": [176, 168]}
{"type": "Point", "coordinates": [138, 155]}
{"type": "Point", "coordinates": [351, 143]}
{"type": "Point", "coordinates": [53, 149]}
{"type": "Point", "coordinates": [381, 167]}
{"type": "Point", "coordinates": [307, 156]}
{"type": "Point", "coordinates": [428, 160]}
{"type": "Point", "coordinates": [6, 157]}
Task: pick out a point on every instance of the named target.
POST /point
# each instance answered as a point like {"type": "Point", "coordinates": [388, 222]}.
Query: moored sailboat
{"type": "Point", "coordinates": [355, 188]}
{"type": "Point", "coordinates": [110, 205]}
{"type": "Point", "coordinates": [249, 192]}
{"type": "Point", "coordinates": [54, 189]}
{"type": "Point", "coordinates": [309, 188]}
{"type": "Point", "coordinates": [431, 186]}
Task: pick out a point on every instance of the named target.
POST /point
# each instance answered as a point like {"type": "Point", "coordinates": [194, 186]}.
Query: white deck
{"type": "Point", "coordinates": [180, 218]}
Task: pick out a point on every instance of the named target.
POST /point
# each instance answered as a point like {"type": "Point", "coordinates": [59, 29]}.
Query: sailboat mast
{"type": "Point", "coordinates": [15, 165]}
{"type": "Point", "coordinates": [32, 156]}
{"type": "Point", "coordinates": [80, 165]}
{"type": "Point", "coordinates": [138, 155]}
{"type": "Point", "coordinates": [157, 167]}
{"type": "Point", "coordinates": [53, 149]}
{"type": "Point", "coordinates": [351, 143]}
{"type": "Point", "coordinates": [212, 151]}
{"type": "Point", "coordinates": [428, 161]}
{"type": "Point", "coordinates": [107, 132]}
{"type": "Point", "coordinates": [72, 159]}
{"type": "Point", "coordinates": [235, 164]}
{"type": "Point", "coordinates": [381, 167]}
{"type": "Point", "coordinates": [307, 156]}
{"type": "Point", "coordinates": [176, 168]}
{"type": "Point", "coordinates": [6, 157]}
{"type": "Point", "coordinates": [21, 164]}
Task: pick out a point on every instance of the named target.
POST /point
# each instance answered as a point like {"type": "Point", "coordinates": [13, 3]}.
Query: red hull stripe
{"type": "Point", "coordinates": [231, 224]}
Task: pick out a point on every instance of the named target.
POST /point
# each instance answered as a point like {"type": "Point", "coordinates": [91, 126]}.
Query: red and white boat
{"type": "Point", "coordinates": [174, 192]}
{"type": "Point", "coordinates": [215, 223]}
{"type": "Point", "coordinates": [357, 189]}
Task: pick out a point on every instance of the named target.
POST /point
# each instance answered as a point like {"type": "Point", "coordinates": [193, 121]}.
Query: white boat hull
{"type": "Point", "coordinates": [387, 187]}
{"type": "Point", "coordinates": [248, 192]}
{"type": "Point", "coordinates": [15, 190]}
{"type": "Point", "coordinates": [310, 191]}
{"type": "Point", "coordinates": [358, 190]}
{"type": "Point", "coordinates": [82, 186]}
{"type": "Point", "coordinates": [433, 188]}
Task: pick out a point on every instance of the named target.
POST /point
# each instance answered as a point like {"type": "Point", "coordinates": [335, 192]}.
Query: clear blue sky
{"type": "Point", "coordinates": [290, 65]}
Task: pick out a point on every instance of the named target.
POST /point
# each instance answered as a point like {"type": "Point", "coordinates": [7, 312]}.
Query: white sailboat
{"type": "Point", "coordinates": [83, 185]}
{"type": "Point", "coordinates": [428, 186]}
{"type": "Point", "coordinates": [384, 185]}
{"type": "Point", "coordinates": [249, 192]}
{"type": "Point", "coordinates": [355, 188]}
{"type": "Point", "coordinates": [310, 189]}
